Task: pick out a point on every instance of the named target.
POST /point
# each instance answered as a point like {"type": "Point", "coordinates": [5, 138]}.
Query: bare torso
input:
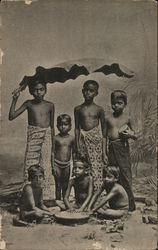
{"type": "Point", "coordinates": [120, 200]}
{"type": "Point", "coordinates": [40, 114]}
{"type": "Point", "coordinates": [114, 124]}
{"type": "Point", "coordinates": [81, 186]}
{"type": "Point", "coordinates": [88, 116]}
{"type": "Point", "coordinates": [63, 147]}
{"type": "Point", "coordinates": [25, 205]}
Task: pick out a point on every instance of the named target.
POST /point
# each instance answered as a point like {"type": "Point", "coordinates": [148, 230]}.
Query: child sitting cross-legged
{"type": "Point", "coordinates": [116, 196]}
{"type": "Point", "coordinates": [31, 202]}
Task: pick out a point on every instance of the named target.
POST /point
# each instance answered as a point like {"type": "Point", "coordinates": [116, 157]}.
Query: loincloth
{"type": "Point", "coordinates": [61, 164]}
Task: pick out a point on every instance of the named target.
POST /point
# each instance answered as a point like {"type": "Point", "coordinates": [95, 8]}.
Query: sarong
{"type": "Point", "coordinates": [119, 155]}
{"type": "Point", "coordinates": [90, 144]}
{"type": "Point", "coordinates": [38, 151]}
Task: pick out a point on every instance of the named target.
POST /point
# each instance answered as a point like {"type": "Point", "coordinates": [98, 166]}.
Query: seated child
{"type": "Point", "coordinates": [63, 150]}
{"type": "Point", "coordinates": [116, 196]}
{"type": "Point", "coordinates": [83, 187]}
{"type": "Point", "coordinates": [31, 202]}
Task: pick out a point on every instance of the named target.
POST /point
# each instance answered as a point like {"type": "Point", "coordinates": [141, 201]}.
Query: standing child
{"type": "Point", "coordinates": [119, 130]}
{"type": "Point", "coordinates": [83, 187]}
{"type": "Point", "coordinates": [116, 196]}
{"type": "Point", "coordinates": [64, 148]}
{"type": "Point", "coordinates": [40, 132]}
{"type": "Point", "coordinates": [89, 142]}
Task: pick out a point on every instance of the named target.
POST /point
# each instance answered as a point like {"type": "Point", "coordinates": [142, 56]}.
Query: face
{"type": "Point", "coordinates": [37, 180]}
{"type": "Point", "coordinates": [78, 169]}
{"type": "Point", "coordinates": [39, 92]}
{"type": "Point", "coordinates": [118, 105]}
{"type": "Point", "coordinates": [64, 127]}
{"type": "Point", "coordinates": [109, 179]}
{"type": "Point", "coordinates": [89, 92]}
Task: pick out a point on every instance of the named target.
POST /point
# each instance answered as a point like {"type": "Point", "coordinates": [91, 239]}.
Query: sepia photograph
{"type": "Point", "coordinates": [78, 131]}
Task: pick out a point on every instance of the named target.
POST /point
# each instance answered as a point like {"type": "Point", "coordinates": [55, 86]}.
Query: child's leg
{"type": "Point", "coordinates": [58, 182]}
{"type": "Point", "coordinates": [29, 216]}
{"type": "Point", "coordinates": [111, 213]}
{"type": "Point", "coordinates": [126, 182]}
{"type": "Point", "coordinates": [65, 179]}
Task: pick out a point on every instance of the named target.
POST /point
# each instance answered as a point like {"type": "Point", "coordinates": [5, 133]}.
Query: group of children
{"type": "Point", "coordinates": [101, 161]}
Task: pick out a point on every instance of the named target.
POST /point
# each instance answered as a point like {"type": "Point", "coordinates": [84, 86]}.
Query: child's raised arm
{"type": "Point", "coordinates": [68, 191]}
{"type": "Point", "coordinates": [14, 113]}
{"type": "Point", "coordinates": [90, 192]}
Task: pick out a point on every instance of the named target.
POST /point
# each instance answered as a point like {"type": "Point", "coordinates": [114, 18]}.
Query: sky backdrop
{"type": "Point", "coordinates": [48, 33]}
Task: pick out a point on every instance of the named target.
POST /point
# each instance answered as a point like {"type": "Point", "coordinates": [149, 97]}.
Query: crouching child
{"type": "Point", "coordinates": [116, 196]}
{"type": "Point", "coordinates": [83, 188]}
{"type": "Point", "coordinates": [32, 207]}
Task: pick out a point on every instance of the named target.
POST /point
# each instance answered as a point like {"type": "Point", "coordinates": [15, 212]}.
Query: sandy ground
{"type": "Point", "coordinates": [135, 236]}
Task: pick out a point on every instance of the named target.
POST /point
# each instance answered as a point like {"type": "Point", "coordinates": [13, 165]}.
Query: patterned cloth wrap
{"type": "Point", "coordinates": [38, 151]}
{"type": "Point", "coordinates": [90, 144]}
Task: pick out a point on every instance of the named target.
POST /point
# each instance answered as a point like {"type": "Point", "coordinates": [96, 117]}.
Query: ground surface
{"type": "Point", "coordinates": [135, 236]}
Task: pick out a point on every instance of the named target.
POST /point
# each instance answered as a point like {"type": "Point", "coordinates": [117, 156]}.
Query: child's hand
{"type": "Point", "coordinates": [79, 210]}
{"type": "Point", "coordinates": [125, 135]}
{"type": "Point", "coordinates": [93, 211]}
{"type": "Point", "coordinates": [16, 93]}
{"type": "Point", "coordinates": [71, 210]}
{"type": "Point", "coordinates": [89, 211]}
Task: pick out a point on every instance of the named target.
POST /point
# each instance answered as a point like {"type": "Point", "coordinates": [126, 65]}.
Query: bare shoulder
{"type": "Point", "coordinates": [50, 104]}
{"type": "Point", "coordinates": [72, 137]}
{"type": "Point", "coordinates": [57, 137]}
{"type": "Point", "coordinates": [108, 116]}
{"type": "Point", "coordinates": [27, 188]}
{"type": "Point", "coordinates": [28, 103]}
{"type": "Point", "coordinates": [99, 109]}
{"type": "Point", "coordinates": [117, 188]}
{"type": "Point", "coordinates": [78, 108]}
